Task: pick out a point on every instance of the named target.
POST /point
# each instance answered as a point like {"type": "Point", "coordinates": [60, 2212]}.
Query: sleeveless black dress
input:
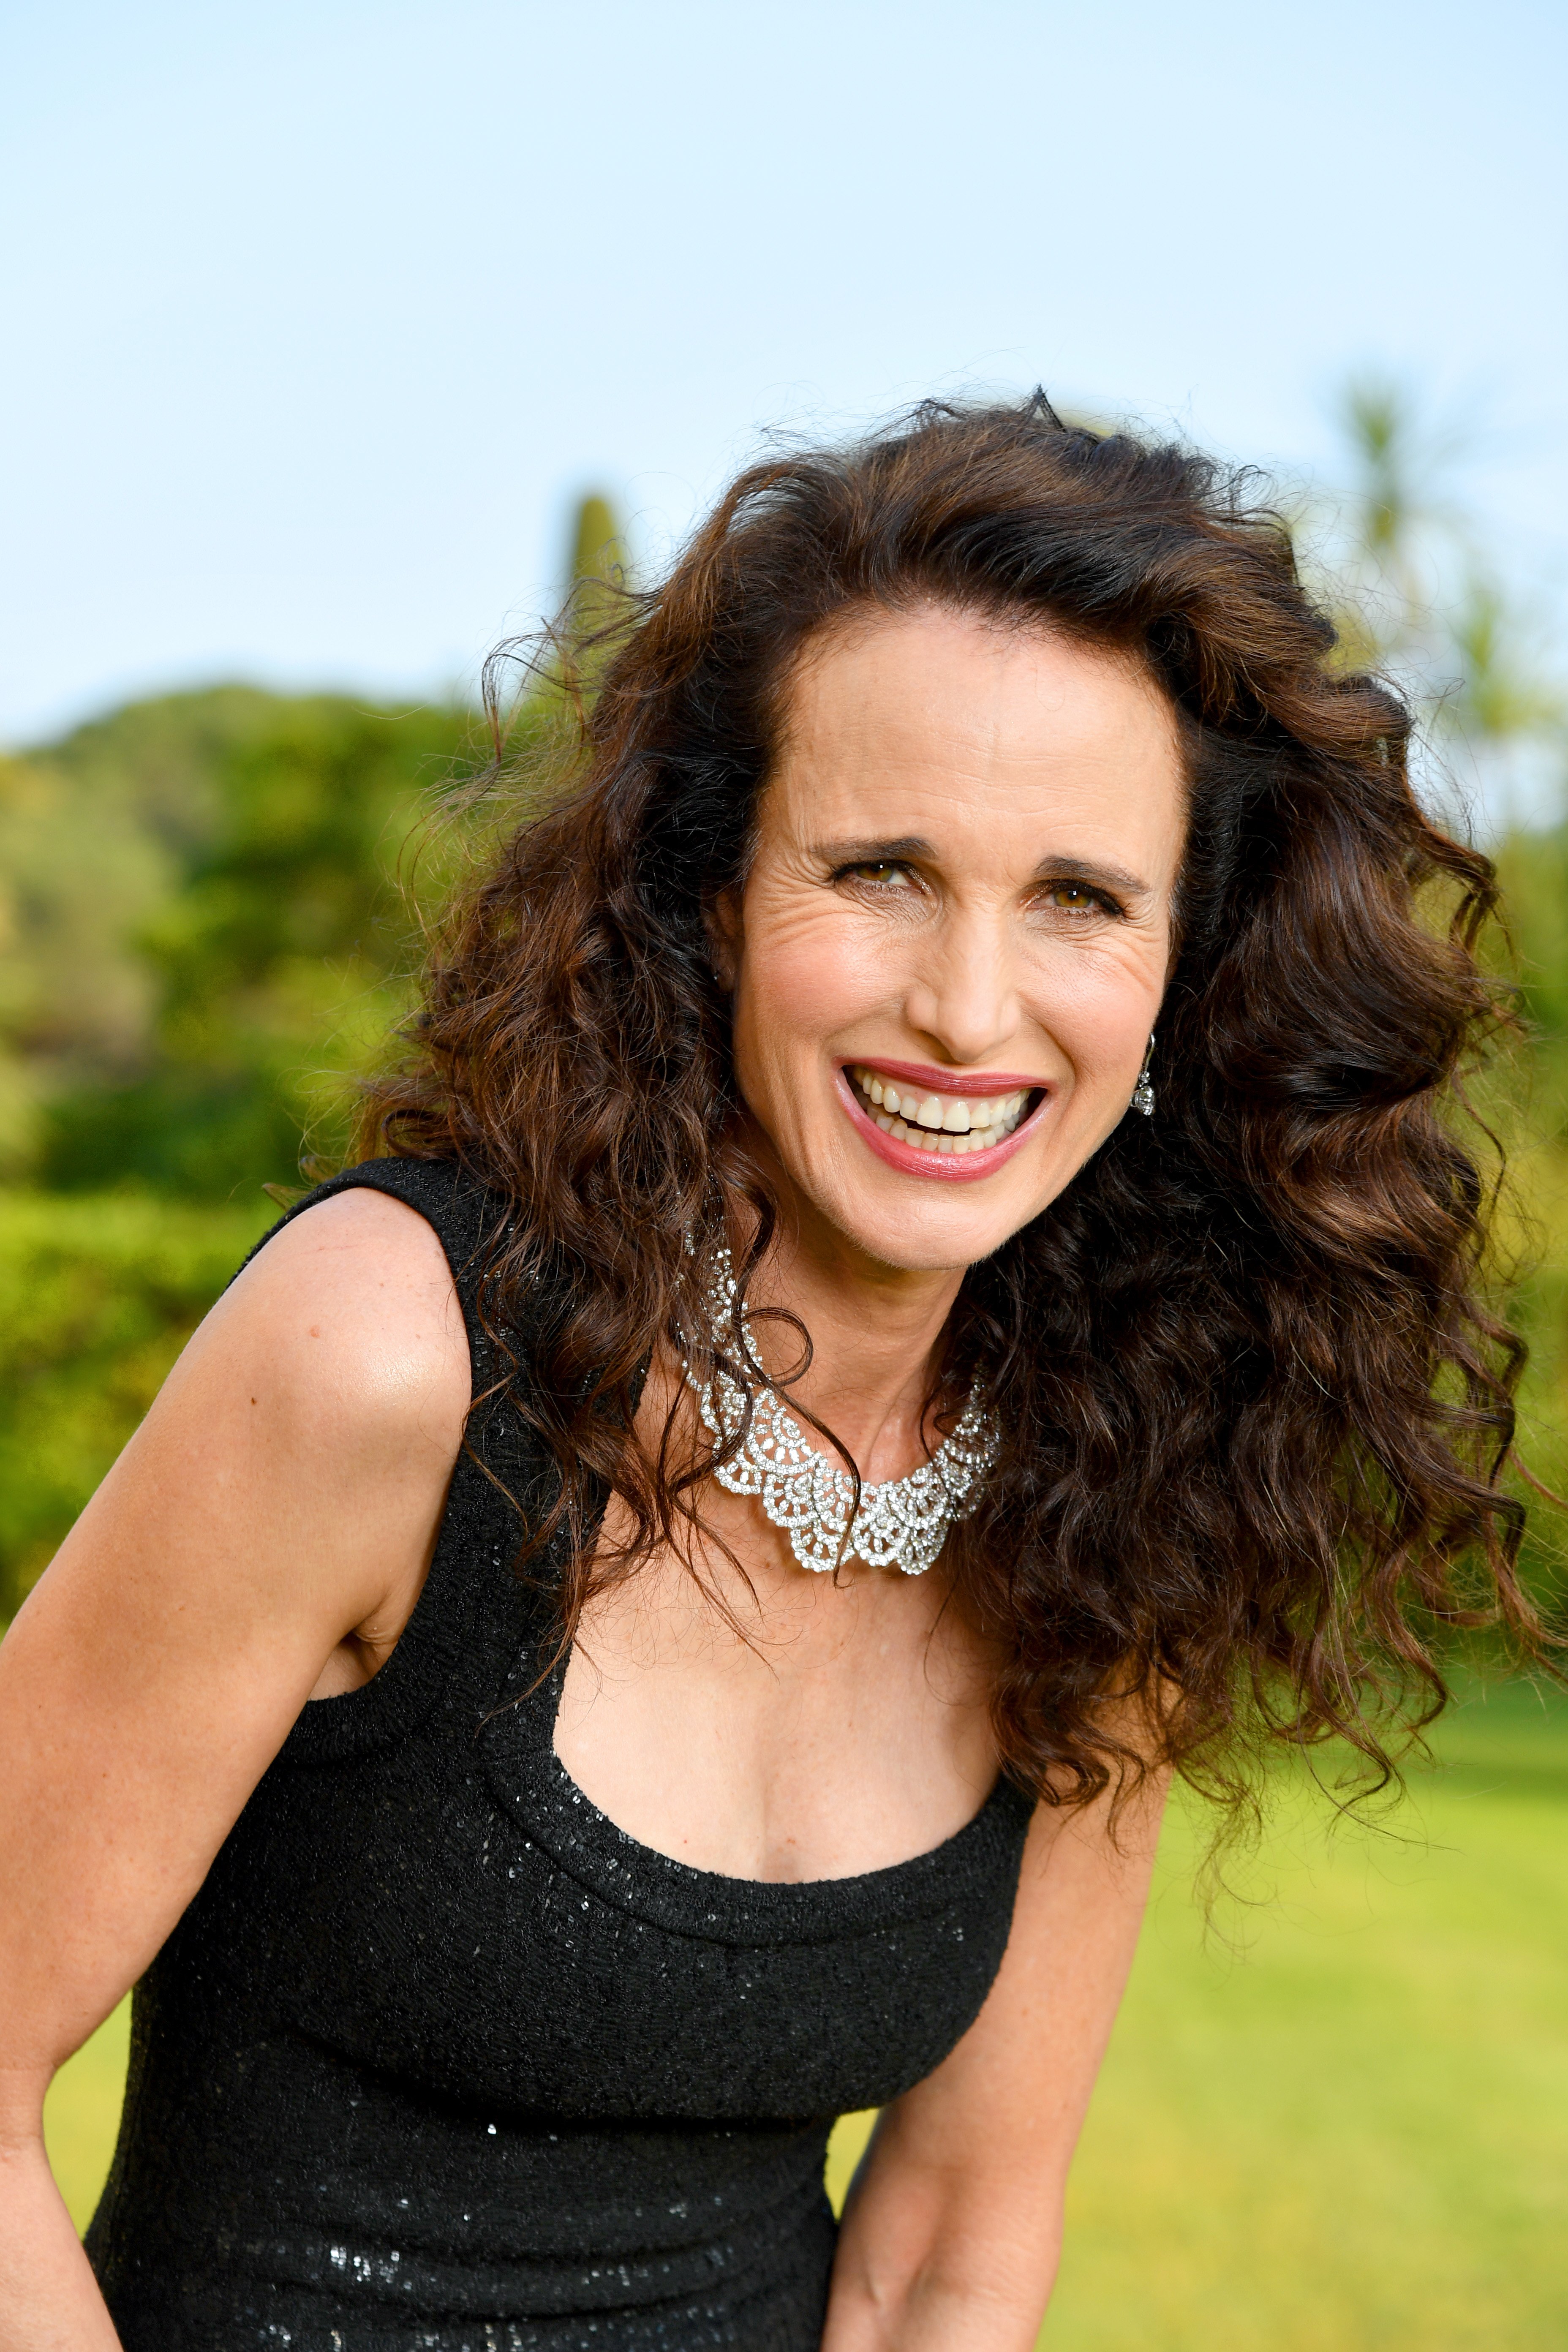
{"type": "Point", "coordinates": [438, 2060]}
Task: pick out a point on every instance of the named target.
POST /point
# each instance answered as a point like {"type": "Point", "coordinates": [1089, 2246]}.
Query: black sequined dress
{"type": "Point", "coordinates": [439, 2060]}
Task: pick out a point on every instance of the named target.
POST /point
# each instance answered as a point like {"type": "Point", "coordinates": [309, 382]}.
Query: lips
{"type": "Point", "coordinates": [986, 1128]}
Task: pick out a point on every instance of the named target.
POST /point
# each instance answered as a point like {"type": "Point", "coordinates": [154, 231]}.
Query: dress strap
{"type": "Point", "coordinates": [472, 1610]}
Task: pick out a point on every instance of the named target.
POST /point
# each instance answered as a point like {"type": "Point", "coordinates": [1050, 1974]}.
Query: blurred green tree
{"type": "Point", "coordinates": [598, 548]}
{"type": "Point", "coordinates": [282, 947]}
{"type": "Point", "coordinates": [78, 876]}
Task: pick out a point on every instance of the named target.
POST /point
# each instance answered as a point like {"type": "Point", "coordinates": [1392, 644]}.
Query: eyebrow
{"type": "Point", "coordinates": [1056, 869]}
{"type": "Point", "coordinates": [874, 853]}
{"type": "Point", "coordinates": [1090, 869]}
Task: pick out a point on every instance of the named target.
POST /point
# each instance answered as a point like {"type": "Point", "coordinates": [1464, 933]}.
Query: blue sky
{"type": "Point", "coordinates": [320, 317]}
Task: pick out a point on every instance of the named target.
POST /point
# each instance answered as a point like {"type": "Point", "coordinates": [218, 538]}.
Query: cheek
{"type": "Point", "coordinates": [1101, 1009]}
{"type": "Point", "coordinates": [804, 974]}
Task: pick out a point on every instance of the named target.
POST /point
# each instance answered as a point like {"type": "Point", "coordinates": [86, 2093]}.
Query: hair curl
{"type": "Point", "coordinates": [1255, 1406]}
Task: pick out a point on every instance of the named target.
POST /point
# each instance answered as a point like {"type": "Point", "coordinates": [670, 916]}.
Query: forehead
{"type": "Point", "coordinates": [947, 715]}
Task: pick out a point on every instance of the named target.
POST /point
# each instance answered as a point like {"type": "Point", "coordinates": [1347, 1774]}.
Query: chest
{"type": "Point", "coordinates": [746, 1717]}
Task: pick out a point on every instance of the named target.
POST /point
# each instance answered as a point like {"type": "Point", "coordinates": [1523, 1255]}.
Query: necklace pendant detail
{"type": "Point", "coordinates": [901, 1524]}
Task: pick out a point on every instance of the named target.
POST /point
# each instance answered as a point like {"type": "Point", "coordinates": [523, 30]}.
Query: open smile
{"type": "Point", "coordinates": [955, 1131]}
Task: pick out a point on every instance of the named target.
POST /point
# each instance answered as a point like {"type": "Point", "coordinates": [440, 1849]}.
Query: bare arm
{"type": "Point", "coordinates": [265, 1534]}
{"type": "Point", "coordinates": [953, 2230]}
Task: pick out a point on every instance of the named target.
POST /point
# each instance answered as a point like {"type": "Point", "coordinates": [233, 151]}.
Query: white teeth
{"type": "Point", "coordinates": [951, 1124]}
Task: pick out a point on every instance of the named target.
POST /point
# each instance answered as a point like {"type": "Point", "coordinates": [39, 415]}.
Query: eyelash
{"type": "Point", "coordinates": [864, 871]}
{"type": "Point", "coordinates": [1101, 900]}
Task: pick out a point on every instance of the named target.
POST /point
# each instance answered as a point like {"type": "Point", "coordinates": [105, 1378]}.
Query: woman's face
{"type": "Point", "coordinates": [952, 945]}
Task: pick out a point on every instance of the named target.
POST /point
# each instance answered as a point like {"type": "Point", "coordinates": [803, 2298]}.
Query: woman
{"type": "Point", "coordinates": [916, 1282]}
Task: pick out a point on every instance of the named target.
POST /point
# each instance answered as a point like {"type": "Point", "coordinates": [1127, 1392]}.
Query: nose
{"type": "Point", "coordinates": [962, 995]}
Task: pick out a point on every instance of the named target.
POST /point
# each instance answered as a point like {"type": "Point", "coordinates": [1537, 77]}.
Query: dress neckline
{"type": "Point", "coordinates": [526, 1773]}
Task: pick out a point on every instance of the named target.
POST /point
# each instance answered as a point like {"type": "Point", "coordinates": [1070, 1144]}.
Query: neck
{"type": "Point", "coordinates": [875, 1331]}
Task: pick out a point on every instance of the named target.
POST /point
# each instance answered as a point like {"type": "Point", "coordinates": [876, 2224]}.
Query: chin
{"type": "Point", "coordinates": [917, 1240]}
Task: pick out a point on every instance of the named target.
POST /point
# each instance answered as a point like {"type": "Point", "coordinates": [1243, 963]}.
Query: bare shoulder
{"type": "Point", "coordinates": [366, 1255]}
{"type": "Point", "coordinates": [349, 1316]}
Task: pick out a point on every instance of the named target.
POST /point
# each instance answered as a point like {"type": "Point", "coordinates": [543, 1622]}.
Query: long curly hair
{"type": "Point", "coordinates": [1255, 1406]}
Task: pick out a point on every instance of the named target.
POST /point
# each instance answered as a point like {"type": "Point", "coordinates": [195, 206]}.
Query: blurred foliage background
{"type": "Point", "coordinates": [1338, 2122]}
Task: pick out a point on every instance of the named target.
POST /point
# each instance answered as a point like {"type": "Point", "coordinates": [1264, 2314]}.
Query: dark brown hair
{"type": "Point", "coordinates": [1255, 1407]}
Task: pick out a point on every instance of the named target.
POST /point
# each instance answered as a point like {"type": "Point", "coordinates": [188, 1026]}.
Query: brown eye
{"type": "Point", "coordinates": [879, 871]}
{"type": "Point", "coordinates": [1075, 898]}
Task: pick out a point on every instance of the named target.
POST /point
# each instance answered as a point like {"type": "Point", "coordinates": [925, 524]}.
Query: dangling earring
{"type": "Point", "coordinates": [1143, 1092]}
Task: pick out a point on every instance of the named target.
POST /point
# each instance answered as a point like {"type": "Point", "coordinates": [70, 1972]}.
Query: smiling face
{"type": "Point", "coordinates": [954, 934]}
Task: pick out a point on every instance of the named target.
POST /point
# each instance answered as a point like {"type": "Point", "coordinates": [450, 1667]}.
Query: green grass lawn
{"type": "Point", "coordinates": [1337, 2120]}
{"type": "Point", "coordinates": [1354, 2133]}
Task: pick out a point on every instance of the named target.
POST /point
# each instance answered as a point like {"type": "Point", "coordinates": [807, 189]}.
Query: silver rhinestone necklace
{"type": "Point", "coordinates": [901, 1524]}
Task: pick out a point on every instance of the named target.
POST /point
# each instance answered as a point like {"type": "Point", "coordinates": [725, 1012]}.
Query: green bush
{"type": "Point", "coordinates": [98, 1294]}
{"type": "Point", "coordinates": [277, 958]}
